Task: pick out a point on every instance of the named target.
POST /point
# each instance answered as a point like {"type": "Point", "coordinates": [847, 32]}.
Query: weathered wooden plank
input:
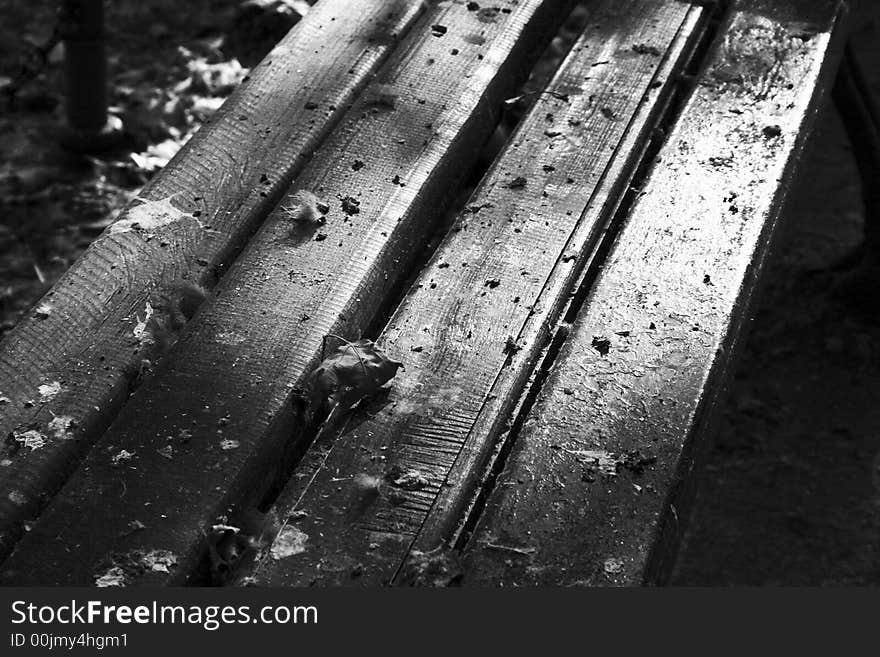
{"type": "Point", "coordinates": [474, 322]}
{"type": "Point", "coordinates": [207, 431]}
{"type": "Point", "coordinates": [68, 366]}
{"type": "Point", "coordinates": [597, 485]}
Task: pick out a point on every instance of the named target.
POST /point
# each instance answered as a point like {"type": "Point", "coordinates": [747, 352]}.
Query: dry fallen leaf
{"type": "Point", "coordinates": [355, 370]}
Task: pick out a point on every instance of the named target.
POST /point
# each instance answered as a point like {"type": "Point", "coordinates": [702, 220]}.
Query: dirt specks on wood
{"type": "Point", "coordinates": [645, 49]}
{"type": "Point", "coordinates": [601, 344]}
{"type": "Point", "coordinates": [351, 205]}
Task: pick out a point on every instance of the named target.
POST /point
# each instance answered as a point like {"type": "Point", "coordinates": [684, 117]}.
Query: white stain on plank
{"type": "Point", "coordinates": [150, 216]}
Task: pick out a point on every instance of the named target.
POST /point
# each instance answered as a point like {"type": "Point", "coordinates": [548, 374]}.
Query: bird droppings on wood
{"type": "Point", "coordinates": [150, 216]}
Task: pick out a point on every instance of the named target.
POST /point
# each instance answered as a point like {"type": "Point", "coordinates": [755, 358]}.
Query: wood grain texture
{"type": "Point", "coordinates": [474, 322]}
{"type": "Point", "coordinates": [597, 486]}
{"type": "Point", "coordinates": [207, 430]}
{"type": "Point", "coordinates": [76, 357]}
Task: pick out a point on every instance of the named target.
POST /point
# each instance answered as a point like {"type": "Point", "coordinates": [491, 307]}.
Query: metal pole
{"type": "Point", "coordinates": [89, 127]}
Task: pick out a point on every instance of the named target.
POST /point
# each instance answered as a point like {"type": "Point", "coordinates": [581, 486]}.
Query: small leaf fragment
{"type": "Point", "coordinates": [355, 370]}
{"type": "Point", "coordinates": [290, 541]}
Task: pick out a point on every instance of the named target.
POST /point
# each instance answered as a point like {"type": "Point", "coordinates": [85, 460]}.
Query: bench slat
{"type": "Point", "coordinates": [233, 375]}
{"type": "Point", "coordinates": [77, 357]}
{"type": "Point", "coordinates": [597, 486]}
{"type": "Point", "coordinates": [478, 315]}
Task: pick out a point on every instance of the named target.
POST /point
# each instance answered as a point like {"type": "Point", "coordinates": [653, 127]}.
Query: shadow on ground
{"type": "Point", "coordinates": [791, 491]}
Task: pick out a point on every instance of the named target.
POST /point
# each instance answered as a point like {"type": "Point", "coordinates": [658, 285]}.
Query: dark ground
{"type": "Point", "coordinates": [791, 491]}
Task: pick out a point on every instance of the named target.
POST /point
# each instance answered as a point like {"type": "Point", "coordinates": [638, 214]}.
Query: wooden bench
{"type": "Point", "coordinates": [564, 344]}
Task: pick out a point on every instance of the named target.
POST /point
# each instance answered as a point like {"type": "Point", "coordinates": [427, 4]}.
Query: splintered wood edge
{"type": "Point", "coordinates": [597, 487]}
{"type": "Point", "coordinates": [190, 444]}
{"type": "Point", "coordinates": [369, 547]}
